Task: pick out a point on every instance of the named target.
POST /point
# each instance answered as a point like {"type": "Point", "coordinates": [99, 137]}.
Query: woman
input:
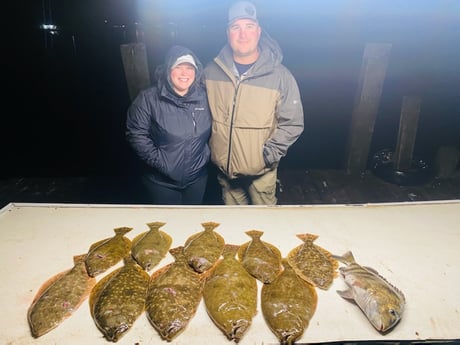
{"type": "Point", "coordinates": [168, 126]}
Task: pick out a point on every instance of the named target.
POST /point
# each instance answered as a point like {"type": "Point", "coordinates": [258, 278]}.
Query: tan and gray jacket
{"type": "Point", "coordinates": [256, 116]}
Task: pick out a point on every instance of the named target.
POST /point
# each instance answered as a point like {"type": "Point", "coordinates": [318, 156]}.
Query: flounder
{"type": "Point", "coordinates": [381, 302]}
{"type": "Point", "coordinates": [288, 304]}
{"type": "Point", "coordinates": [150, 247]}
{"type": "Point", "coordinates": [204, 248]}
{"type": "Point", "coordinates": [313, 263]}
{"type": "Point", "coordinates": [106, 253]}
{"type": "Point", "coordinates": [230, 295]}
{"type": "Point", "coordinates": [59, 297]}
{"type": "Point", "coordinates": [261, 259]}
{"type": "Point", "coordinates": [173, 297]}
{"type": "Point", "coordinates": [118, 299]}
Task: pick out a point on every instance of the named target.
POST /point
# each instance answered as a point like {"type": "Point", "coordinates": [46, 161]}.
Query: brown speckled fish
{"type": "Point", "coordinates": [174, 293]}
{"type": "Point", "coordinates": [106, 253]}
{"type": "Point", "coordinates": [59, 297]}
{"type": "Point", "coordinates": [150, 247]}
{"type": "Point", "coordinates": [118, 299]}
{"type": "Point", "coordinates": [313, 263]}
{"type": "Point", "coordinates": [204, 248]}
{"type": "Point", "coordinates": [261, 259]}
{"type": "Point", "coordinates": [230, 295]}
{"type": "Point", "coordinates": [288, 304]}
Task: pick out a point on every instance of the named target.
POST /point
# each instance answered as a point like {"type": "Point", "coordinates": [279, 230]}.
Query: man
{"type": "Point", "coordinates": [256, 109]}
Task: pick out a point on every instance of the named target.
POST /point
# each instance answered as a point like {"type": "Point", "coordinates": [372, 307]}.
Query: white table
{"type": "Point", "coordinates": [416, 246]}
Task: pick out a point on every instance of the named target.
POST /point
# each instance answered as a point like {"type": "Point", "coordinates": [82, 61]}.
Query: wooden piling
{"type": "Point", "coordinates": [367, 100]}
{"type": "Point", "coordinates": [134, 57]}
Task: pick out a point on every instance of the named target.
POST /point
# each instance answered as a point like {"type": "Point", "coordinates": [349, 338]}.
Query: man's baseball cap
{"type": "Point", "coordinates": [242, 10]}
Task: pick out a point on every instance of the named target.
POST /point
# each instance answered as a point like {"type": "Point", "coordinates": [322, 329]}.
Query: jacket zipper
{"type": "Point", "coordinates": [194, 122]}
{"type": "Point", "coordinates": [238, 81]}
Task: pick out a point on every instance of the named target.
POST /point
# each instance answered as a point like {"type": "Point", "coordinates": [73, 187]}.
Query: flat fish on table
{"type": "Point", "coordinates": [261, 259]}
{"type": "Point", "coordinates": [381, 302]}
{"type": "Point", "coordinates": [173, 297]}
{"type": "Point", "coordinates": [313, 263]}
{"type": "Point", "coordinates": [230, 295]}
{"type": "Point", "coordinates": [150, 247]}
{"type": "Point", "coordinates": [118, 299]}
{"type": "Point", "coordinates": [59, 297]}
{"type": "Point", "coordinates": [288, 304]}
{"type": "Point", "coordinates": [106, 253]}
{"type": "Point", "coordinates": [204, 248]}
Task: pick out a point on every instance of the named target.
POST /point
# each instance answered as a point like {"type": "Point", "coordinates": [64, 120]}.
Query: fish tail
{"type": "Point", "coordinates": [307, 237]}
{"type": "Point", "coordinates": [155, 225]}
{"type": "Point", "coordinates": [122, 230]}
{"type": "Point", "coordinates": [255, 233]}
{"type": "Point", "coordinates": [210, 226]}
{"type": "Point", "coordinates": [346, 258]}
{"type": "Point", "coordinates": [79, 258]}
{"type": "Point", "coordinates": [230, 250]}
{"type": "Point", "coordinates": [175, 252]}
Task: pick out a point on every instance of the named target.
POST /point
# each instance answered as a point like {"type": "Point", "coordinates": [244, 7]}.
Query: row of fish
{"type": "Point", "coordinates": [205, 267]}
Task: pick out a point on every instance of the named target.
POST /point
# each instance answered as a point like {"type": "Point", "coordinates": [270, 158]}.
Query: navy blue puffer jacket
{"type": "Point", "coordinates": [168, 132]}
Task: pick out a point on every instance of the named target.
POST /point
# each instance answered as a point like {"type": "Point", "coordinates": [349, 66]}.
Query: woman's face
{"type": "Point", "coordinates": [182, 77]}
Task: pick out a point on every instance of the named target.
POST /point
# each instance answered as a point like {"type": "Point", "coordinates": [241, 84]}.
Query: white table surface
{"type": "Point", "coordinates": [416, 246]}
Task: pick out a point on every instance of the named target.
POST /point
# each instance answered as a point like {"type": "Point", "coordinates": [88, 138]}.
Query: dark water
{"type": "Point", "coordinates": [69, 95]}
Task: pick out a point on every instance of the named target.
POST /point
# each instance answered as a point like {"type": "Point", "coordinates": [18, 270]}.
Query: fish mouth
{"type": "Point", "coordinates": [117, 333]}
{"type": "Point", "coordinates": [384, 329]}
{"type": "Point", "coordinates": [238, 330]}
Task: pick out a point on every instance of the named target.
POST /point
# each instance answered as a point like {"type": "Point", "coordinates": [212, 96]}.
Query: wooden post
{"type": "Point", "coordinates": [408, 124]}
{"type": "Point", "coordinates": [367, 99]}
{"type": "Point", "coordinates": [136, 68]}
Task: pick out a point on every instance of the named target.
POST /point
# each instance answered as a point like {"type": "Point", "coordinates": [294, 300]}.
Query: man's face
{"type": "Point", "coordinates": [243, 37]}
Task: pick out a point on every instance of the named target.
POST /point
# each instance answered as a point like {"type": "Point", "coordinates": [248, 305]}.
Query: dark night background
{"type": "Point", "coordinates": [66, 94]}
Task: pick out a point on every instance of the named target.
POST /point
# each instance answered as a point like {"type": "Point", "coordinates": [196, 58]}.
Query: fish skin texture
{"type": "Point", "coordinates": [204, 248]}
{"type": "Point", "coordinates": [174, 294]}
{"type": "Point", "coordinates": [150, 247]}
{"type": "Point", "coordinates": [261, 259]}
{"type": "Point", "coordinates": [313, 263]}
{"type": "Point", "coordinates": [288, 304]}
{"type": "Point", "coordinates": [106, 253]}
{"type": "Point", "coordinates": [59, 297]}
{"type": "Point", "coordinates": [118, 299]}
{"type": "Point", "coordinates": [230, 295]}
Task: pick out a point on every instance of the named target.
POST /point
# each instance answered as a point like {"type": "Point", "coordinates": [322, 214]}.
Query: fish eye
{"type": "Point", "coordinates": [393, 312]}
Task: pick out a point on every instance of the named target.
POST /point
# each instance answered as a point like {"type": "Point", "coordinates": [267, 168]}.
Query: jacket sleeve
{"type": "Point", "coordinates": [290, 121]}
{"type": "Point", "coordinates": [138, 127]}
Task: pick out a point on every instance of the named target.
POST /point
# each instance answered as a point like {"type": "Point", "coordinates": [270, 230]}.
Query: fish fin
{"type": "Point", "coordinates": [160, 271]}
{"type": "Point", "coordinates": [138, 238]}
{"type": "Point", "coordinates": [97, 244]}
{"type": "Point", "coordinates": [347, 294]}
{"type": "Point", "coordinates": [346, 258]}
{"type": "Point", "coordinates": [373, 270]}
{"type": "Point", "coordinates": [167, 238]}
{"type": "Point", "coordinates": [48, 283]}
{"type": "Point", "coordinates": [242, 250]}
{"type": "Point", "coordinates": [98, 288]}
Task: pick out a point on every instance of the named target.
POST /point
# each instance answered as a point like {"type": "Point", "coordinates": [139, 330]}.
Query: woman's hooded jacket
{"type": "Point", "coordinates": [168, 132]}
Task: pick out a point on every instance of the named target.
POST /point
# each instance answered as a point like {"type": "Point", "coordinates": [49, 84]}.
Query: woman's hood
{"type": "Point", "coordinates": [162, 72]}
